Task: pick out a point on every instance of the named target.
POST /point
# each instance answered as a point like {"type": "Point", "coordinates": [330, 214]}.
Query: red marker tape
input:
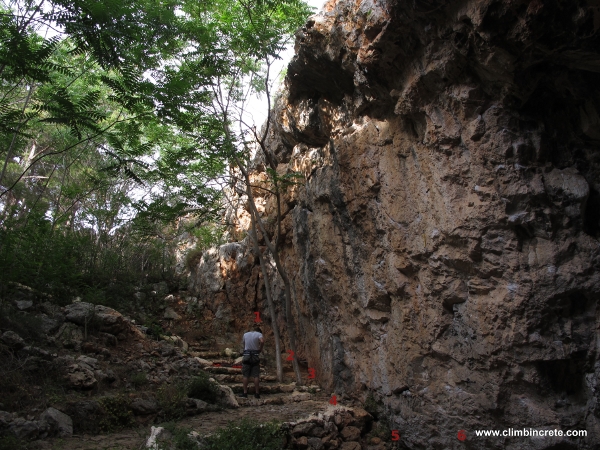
{"type": "Point", "coordinates": [462, 435]}
{"type": "Point", "coordinates": [311, 373]}
{"type": "Point", "coordinates": [217, 364]}
{"type": "Point", "coordinates": [333, 400]}
{"type": "Point", "coordinates": [256, 317]}
{"type": "Point", "coordinates": [395, 435]}
{"type": "Point", "coordinates": [291, 356]}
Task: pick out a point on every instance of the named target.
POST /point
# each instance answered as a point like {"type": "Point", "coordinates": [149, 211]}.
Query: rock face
{"type": "Point", "coordinates": [444, 247]}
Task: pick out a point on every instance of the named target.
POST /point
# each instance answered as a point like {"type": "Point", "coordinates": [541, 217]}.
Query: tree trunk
{"type": "Point", "coordinates": [282, 272]}
{"type": "Point", "coordinates": [272, 311]}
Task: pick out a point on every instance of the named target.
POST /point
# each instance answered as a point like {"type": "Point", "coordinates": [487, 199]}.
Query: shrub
{"type": "Point", "coordinates": [24, 324]}
{"type": "Point", "coordinates": [202, 388]}
{"type": "Point", "coordinates": [171, 400]}
{"type": "Point", "coordinates": [381, 430]}
{"type": "Point", "coordinates": [139, 379]}
{"type": "Point", "coordinates": [10, 443]}
{"type": "Point", "coordinates": [180, 437]}
{"type": "Point", "coordinates": [372, 406]}
{"type": "Point", "coordinates": [116, 413]}
{"type": "Point", "coordinates": [247, 435]}
{"type": "Point", "coordinates": [192, 259]}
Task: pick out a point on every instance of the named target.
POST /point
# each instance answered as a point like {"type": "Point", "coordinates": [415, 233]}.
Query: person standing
{"type": "Point", "coordinates": [252, 343]}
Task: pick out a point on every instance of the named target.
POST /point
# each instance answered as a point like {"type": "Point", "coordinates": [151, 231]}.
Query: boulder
{"type": "Point", "coordinates": [196, 406]}
{"type": "Point", "coordinates": [79, 377]}
{"type": "Point", "coordinates": [5, 419]}
{"type": "Point", "coordinates": [13, 340]}
{"type": "Point", "coordinates": [59, 422]}
{"type": "Point", "coordinates": [97, 317]}
{"type": "Point", "coordinates": [301, 442]}
{"type": "Point", "coordinates": [350, 446]}
{"type": "Point", "coordinates": [29, 429]}
{"type": "Point", "coordinates": [315, 443]}
{"type": "Point", "coordinates": [170, 314]}
{"type": "Point", "coordinates": [70, 335]}
{"type": "Point", "coordinates": [24, 305]}
{"type": "Point", "coordinates": [350, 433]}
{"type": "Point", "coordinates": [144, 407]}
{"type": "Point", "coordinates": [226, 397]}
{"type": "Point", "coordinates": [50, 324]}
{"type": "Point", "coordinates": [360, 418]}
{"type": "Point", "coordinates": [303, 429]}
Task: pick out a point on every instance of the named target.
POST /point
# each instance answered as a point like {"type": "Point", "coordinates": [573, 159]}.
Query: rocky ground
{"type": "Point", "coordinates": [85, 376]}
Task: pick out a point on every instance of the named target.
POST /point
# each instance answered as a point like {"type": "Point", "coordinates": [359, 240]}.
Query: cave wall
{"type": "Point", "coordinates": [444, 247]}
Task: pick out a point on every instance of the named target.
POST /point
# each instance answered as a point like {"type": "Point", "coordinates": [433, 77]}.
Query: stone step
{"type": "Point", "coordinates": [277, 399]}
{"type": "Point", "coordinates": [224, 378]}
{"type": "Point", "coordinates": [264, 389]}
{"type": "Point", "coordinates": [223, 370]}
{"type": "Point", "coordinates": [213, 355]}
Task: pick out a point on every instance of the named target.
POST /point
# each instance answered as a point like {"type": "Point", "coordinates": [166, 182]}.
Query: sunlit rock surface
{"type": "Point", "coordinates": [444, 246]}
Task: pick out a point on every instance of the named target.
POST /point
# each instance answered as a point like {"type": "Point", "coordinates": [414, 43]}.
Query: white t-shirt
{"type": "Point", "coordinates": [252, 340]}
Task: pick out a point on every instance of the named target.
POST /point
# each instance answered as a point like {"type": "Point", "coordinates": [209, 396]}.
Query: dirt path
{"type": "Point", "coordinates": [203, 424]}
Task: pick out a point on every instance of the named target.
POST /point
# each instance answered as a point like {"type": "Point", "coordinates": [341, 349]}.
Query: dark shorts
{"type": "Point", "coordinates": [250, 371]}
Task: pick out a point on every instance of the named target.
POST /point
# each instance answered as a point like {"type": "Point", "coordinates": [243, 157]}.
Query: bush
{"type": "Point", "coordinates": [180, 437]}
{"type": "Point", "coordinates": [373, 407]}
{"type": "Point", "coordinates": [139, 379]}
{"type": "Point", "coordinates": [202, 388]}
{"type": "Point", "coordinates": [382, 431]}
{"type": "Point", "coordinates": [171, 400]}
{"type": "Point", "coordinates": [117, 413]}
{"type": "Point", "coordinates": [10, 443]}
{"type": "Point", "coordinates": [192, 259]}
{"type": "Point", "coordinates": [247, 435]}
{"type": "Point", "coordinates": [25, 325]}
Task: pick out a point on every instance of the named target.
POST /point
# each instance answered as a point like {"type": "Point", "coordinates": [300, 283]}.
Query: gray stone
{"type": "Point", "coordinates": [12, 339]}
{"type": "Point", "coordinates": [29, 429]}
{"type": "Point", "coordinates": [170, 314]}
{"type": "Point", "coordinates": [350, 433]}
{"type": "Point", "coordinates": [350, 446]}
{"type": "Point", "coordinates": [24, 305]}
{"type": "Point", "coordinates": [79, 377]}
{"type": "Point", "coordinates": [91, 362]}
{"type": "Point", "coordinates": [97, 316]}
{"type": "Point", "coordinates": [144, 407]}
{"type": "Point", "coordinates": [226, 397]}
{"type": "Point", "coordinates": [315, 443]}
{"type": "Point", "coordinates": [197, 406]}
{"type": "Point", "coordinates": [50, 324]}
{"type": "Point", "coordinates": [59, 422]}
{"type": "Point", "coordinates": [5, 419]}
{"type": "Point", "coordinates": [302, 429]}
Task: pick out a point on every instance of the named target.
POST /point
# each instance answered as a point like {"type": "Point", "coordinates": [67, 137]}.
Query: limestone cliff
{"type": "Point", "coordinates": [444, 247]}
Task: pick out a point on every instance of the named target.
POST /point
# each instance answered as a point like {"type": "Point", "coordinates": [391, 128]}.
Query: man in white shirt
{"type": "Point", "coordinates": [252, 343]}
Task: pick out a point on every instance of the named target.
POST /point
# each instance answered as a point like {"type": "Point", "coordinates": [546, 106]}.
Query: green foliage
{"type": "Point", "coordinates": [180, 438]}
{"type": "Point", "coordinates": [139, 379]}
{"type": "Point", "coordinates": [373, 407]}
{"type": "Point", "coordinates": [109, 132]}
{"type": "Point", "coordinates": [99, 269]}
{"type": "Point", "coordinates": [11, 443]}
{"type": "Point", "coordinates": [25, 325]}
{"type": "Point", "coordinates": [193, 257]}
{"type": "Point", "coordinates": [117, 413]}
{"type": "Point", "coordinates": [202, 388]}
{"type": "Point", "coordinates": [247, 435]}
{"type": "Point", "coordinates": [171, 400]}
{"type": "Point", "coordinates": [381, 430]}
